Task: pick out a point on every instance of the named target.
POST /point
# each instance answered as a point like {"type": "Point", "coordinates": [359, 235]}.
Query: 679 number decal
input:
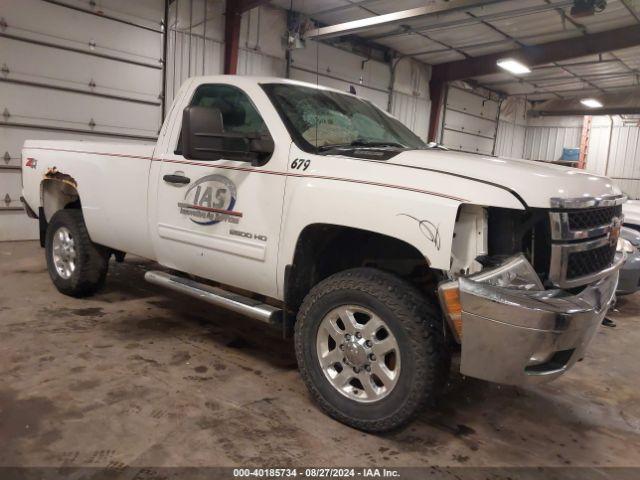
{"type": "Point", "coordinates": [300, 164]}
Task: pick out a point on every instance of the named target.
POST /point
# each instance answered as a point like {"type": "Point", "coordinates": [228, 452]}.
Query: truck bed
{"type": "Point", "coordinates": [111, 178]}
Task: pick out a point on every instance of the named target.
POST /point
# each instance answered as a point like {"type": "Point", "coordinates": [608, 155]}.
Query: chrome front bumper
{"type": "Point", "coordinates": [521, 337]}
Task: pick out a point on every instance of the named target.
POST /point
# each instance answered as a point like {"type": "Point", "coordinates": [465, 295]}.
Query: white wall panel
{"type": "Point", "coordinates": [196, 47]}
{"type": "Point", "coordinates": [332, 62]}
{"type": "Point", "coordinates": [143, 12]}
{"type": "Point", "coordinates": [15, 225]}
{"type": "Point", "coordinates": [53, 23]}
{"type": "Point", "coordinates": [465, 142]}
{"type": "Point", "coordinates": [470, 121]}
{"type": "Point", "coordinates": [598, 151]}
{"type": "Point", "coordinates": [37, 63]}
{"type": "Point", "coordinates": [410, 101]}
{"type": "Point", "coordinates": [472, 102]}
{"type": "Point", "coordinates": [512, 128]}
{"type": "Point", "coordinates": [510, 140]}
{"type": "Point", "coordinates": [252, 62]}
{"type": "Point", "coordinates": [624, 158]}
{"type": "Point", "coordinates": [546, 143]}
{"type": "Point", "coordinates": [262, 31]}
{"type": "Point", "coordinates": [70, 74]}
{"type": "Point", "coordinates": [338, 69]}
{"type": "Point", "coordinates": [262, 53]}
{"type": "Point", "coordinates": [70, 110]}
{"type": "Point", "coordinates": [614, 148]}
{"type": "Point", "coordinates": [465, 123]}
{"type": "Point", "coordinates": [378, 98]}
{"type": "Point", "coordinates": [412, 111]}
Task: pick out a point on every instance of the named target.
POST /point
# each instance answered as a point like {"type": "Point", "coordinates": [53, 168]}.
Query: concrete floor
{"type": "Point", "coordinates": [138, 377]}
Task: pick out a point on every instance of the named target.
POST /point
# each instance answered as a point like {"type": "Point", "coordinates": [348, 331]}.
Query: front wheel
{"type": "Point", "coordinates": [370, 348]}
{"type": "Point", "coordinates": [77, 266]}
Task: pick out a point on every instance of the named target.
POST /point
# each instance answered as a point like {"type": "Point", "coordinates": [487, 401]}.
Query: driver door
{"type": "Point", "coordinates": [220, 219]}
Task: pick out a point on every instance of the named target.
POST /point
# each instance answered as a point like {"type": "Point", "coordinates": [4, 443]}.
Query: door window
{"type": "Point", "coordinates": [239, 115]}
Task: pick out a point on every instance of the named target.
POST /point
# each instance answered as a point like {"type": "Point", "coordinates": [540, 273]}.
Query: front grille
{"type": "Point", "coordinates": [585, 263]}
{"type": "Point", "coordinates": [583, 243]}
{"type": "Point", "coordinates": [593, 217]}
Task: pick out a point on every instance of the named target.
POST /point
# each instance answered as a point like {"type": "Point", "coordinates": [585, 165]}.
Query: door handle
{"type": "Point", "coordinates": [176, 179]}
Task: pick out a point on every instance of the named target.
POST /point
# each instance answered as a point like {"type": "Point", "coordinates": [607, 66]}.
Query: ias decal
{"type": "Point", "coordinates": [210, 200]}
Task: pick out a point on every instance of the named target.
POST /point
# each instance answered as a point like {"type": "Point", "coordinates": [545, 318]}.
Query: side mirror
{"type": "Point", "coordinates": [204, 138]}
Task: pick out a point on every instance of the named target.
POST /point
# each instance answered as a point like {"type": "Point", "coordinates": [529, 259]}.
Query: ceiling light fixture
{"type": "Point", "coordinates": [591, 103]}
{"type": "Point", "coordinates": [514, 66]}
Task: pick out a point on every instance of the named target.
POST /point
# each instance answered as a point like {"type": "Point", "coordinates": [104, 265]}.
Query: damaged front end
{"type": "Point", "coordinates": [512, 331]}
{"type": "Point", "coordinates": [515, 323]}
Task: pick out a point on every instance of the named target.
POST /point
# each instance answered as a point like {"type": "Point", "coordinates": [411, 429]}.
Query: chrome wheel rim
{"type": "Point", "coordinates": [64, 252]}
{"type": "Point", "coordinates": [358, 353]}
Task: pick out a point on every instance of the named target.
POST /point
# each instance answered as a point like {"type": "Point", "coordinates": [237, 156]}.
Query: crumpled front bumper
{"type": "Point", "coordinates": [521, 337]}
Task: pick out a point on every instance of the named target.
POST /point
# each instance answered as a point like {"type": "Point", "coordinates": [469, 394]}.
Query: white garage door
{"type": "Point", "coordinates": [470, 122]}
{"type": "Point", "coordinates": [87, 70]}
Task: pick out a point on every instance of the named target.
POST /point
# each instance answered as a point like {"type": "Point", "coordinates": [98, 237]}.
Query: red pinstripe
{"type": "Point", "coordinates": [266, 172]}
{"type": "Point", "coordinates": [211, 209]}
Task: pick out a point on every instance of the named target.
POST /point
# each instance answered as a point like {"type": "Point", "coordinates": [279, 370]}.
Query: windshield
{"type": "Point", "coordinates": [321, 120]}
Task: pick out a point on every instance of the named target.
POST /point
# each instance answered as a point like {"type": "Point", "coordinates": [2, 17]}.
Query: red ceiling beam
{"type": "Point", "coordinates": [559, 50]}
{"type": "Point", "coordinates": [436, 92]}
{"type": "Point", "coordinates": [232, 21]}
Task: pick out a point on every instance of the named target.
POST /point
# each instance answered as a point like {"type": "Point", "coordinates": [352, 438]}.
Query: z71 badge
{"type": "Point", "coordinates": [210, 200]}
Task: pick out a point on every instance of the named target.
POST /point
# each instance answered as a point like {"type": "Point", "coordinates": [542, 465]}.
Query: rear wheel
{"type": "Point", "coordinates": [77, 266]}
{"type": "Point", "coordinates": [370, 349]}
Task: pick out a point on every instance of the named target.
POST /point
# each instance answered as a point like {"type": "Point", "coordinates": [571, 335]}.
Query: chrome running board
{"type": "Point", "coordinates": [217, 296]}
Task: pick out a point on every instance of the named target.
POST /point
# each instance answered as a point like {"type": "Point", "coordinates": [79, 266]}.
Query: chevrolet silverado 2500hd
{"type": "Point", "coordinates": [382, 255]}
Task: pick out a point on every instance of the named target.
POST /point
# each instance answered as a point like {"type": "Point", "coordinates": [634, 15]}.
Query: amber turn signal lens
{"type": "Point", "coordinates": [450, 299]}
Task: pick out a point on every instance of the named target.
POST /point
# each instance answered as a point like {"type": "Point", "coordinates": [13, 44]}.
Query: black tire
{"type": "Point", "coordinates": [91, 260]}
{"type": "Point", "coordinates": [417, 327]}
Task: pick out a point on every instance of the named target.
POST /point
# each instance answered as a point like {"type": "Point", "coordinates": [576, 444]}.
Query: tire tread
{"type": "Point", "coordinates": [92, 262]}
{"type": "Point", "coordinates": [420, 319]}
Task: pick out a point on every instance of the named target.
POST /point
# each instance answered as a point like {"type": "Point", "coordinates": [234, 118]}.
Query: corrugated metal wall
{"type": "Point", "coordinates": [512, 128]}
{"type": "Point", "coordinates": [196, 48]}
{"type": "Point", "coordinates": [546, 137]}
{"type": "Point", "coordinates": [371, 79]}
{"type": "Point", "coordinates": [338, 69]}
{"type": "Point", "coordinates": [614, 151]}
{"type": "Point", "coordinates": [614, 147]}
{"type": "Point", "coordinates": [410, 100]}
{"type": "Point", "coordinates": [624, 159]}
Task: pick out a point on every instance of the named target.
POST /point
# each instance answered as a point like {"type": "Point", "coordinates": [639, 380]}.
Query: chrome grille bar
{"type": "Point", "coordinates": [568, 241]}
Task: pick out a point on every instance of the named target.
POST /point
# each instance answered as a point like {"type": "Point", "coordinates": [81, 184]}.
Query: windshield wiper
{"type": "Point", "coordinates": [360, 144]}
{"type": "Point", "coordinates": [365, 143]}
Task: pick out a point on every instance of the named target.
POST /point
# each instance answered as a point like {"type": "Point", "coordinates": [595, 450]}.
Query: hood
{"type": "Point", "coordinates": [631, 212]}
{"type": "Point", "coordinates": [535, 182]}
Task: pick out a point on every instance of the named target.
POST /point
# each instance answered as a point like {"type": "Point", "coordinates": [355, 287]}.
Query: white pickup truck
{"type": "Point", "coordinates": [383, 256]}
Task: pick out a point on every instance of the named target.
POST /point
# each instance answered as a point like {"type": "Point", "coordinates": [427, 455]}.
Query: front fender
{"type": "Point", "coordinates": [425, 222]}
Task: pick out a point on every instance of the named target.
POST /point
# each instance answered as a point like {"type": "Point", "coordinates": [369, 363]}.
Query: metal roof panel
{"type": "Point", "coordinates": [541, 24]}
{"type": "Point", "coordinates": [442, 57]}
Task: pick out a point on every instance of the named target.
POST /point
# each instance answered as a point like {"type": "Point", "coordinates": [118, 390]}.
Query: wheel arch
{"type": "Point", "coordinates": [323, 249]}
{"type": "Point", "coordinates": [57, 192]}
